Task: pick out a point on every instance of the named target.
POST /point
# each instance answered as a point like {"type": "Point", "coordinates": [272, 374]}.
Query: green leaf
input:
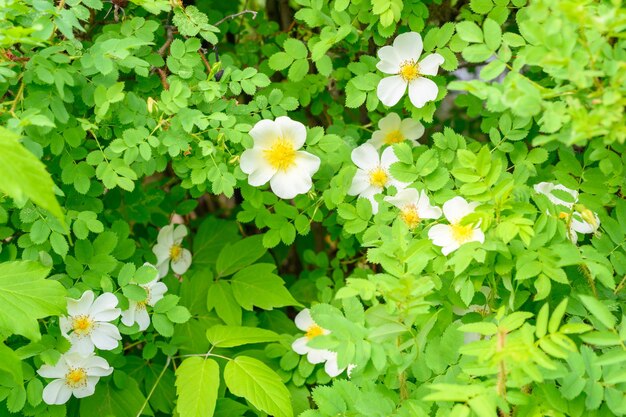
{"type": "Point", "coordinates": [212, 235]}
{"type": "Point", "coordinates": [111, 401]}
{"type": "Point", "coordinates": [469, 31]}
{"type": "Point", "coordinates": [10, 362]}
{"type": "Point", "coordinates": [493, 34]}
{"type": "Point", "coordinates": [197, 383]}
{"type": "Point", "coordinates": [258, 286]}
{"type": "Point", "coordinates": [240, 254]}
{"type": "Point", "coordinates": [557, 316]}
{"type": "Point", "coordinates": [220, 297]}
{"type": "Point", "coordinates": [230, 336]}
{"type": "Point", "coordinates": [481, 6]}
{"type": "Point", "coordinates": [599, 310]}
{"type": "Point", "coordinates": [26, 295]}
{"type": "Point", "coordinates": [295, 48]}
{"type": "Point", "coordinates": [253, 380]}
{"type": "Point", "coordinates": [23, 175]}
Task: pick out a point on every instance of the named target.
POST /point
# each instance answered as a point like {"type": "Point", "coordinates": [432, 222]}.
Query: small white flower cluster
{"type": "Point", "coordinates": [578, 219]}
{"type": "Point", "coordinates": [88, 324]}
{"type": "Point", "coordinates": [275, 156]}
{"type": "Point", "coordinates": [311, 330]}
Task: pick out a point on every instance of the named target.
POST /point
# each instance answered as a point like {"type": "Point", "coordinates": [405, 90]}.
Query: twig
{"type": "Point", "coordinates": [232, 16]}
{"type": "Point", "coordinates": [170, 37]}
{"type": "Point", "coordinates": [145, 403]}
{"type": "Point", "coordinates": [163, 75]}
{"type": "Point", "coordinates": [206, 61]}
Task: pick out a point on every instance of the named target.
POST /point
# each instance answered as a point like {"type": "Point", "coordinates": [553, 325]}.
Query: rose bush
{"type": "Point", "coordinates": [312, 208]}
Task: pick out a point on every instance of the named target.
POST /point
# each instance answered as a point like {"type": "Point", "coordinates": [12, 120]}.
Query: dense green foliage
{"type": "Point", "coordinates": [120, 118]}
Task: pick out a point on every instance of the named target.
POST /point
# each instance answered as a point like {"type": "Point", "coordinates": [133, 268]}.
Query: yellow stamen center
{"type": "Point", "coordinates": [379, 177]}
{"type": "Point", "coordinates": [563, 215]}
{"type": "Point", "coordinates": [462, 234]}
{"type": "Point", "coordinates": [82, 325]}
{"type": "Point", "coordinates": [281, 155]}
{"type": "Point", "coordinates": [76, 377]}
{"type": "Point", "coordinates": [175, 252]}
{"type": "Point", "coordinates": [409, 70]}
{"type": "Point", "coordinates": [410, 216]}
{"type": "Point", "coordinates": [314, 331]}
{"type": "Point", "coordinates": [394, 136]}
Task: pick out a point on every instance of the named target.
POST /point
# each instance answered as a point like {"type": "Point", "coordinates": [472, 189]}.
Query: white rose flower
{"type": "Point", "coordinates": [584, 221]}
{"type": "Point", "coordinates": [275, 158]}
{"type": "Point", "coordinates": [401, 62]}
{"type": "Point", "coordinates": [547, 189]}
{"type": "Point", "coordinates": [311, 330]}
{"type": "Point", "coordinates": [74, 374]}
{"type": "Point", "coordinates": [414, 206]}
{"type": "Point", "coordinates": [88, 323]}
{"type": "Point", "coordinates": [169, 249]}
{"type": "Point", "coordinates": [392, 130]}
{"type": "Point", "coordinates": [451, 236]}
{"type": "Point", "coordinates": [332, 368]}
{"type": "Point", "coordinates": [137, 312]}
{"type": "Point", "coordinates": [372, 175]}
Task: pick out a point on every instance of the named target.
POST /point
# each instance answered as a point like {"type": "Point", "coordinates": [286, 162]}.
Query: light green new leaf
{"type": "Point", "coordinates": [257, 286]}
{"type": "Point", "coordinates": [230, 336]}
{"type": "Point", "coordinates": [22, 174]}
{"type": "Point", "coordinates": [25, 296]}
{"type": "Point", "coordinates": [197, 382]}
{"type": "Point", "coordinates": [253, 380]}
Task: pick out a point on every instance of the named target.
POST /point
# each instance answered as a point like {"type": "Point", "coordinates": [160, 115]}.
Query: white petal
{"type": "Point", "coordinates": [412, 129]}
{"type": "Point", "coordinates": [403, 198]}
{"type": "Point", "coordinates": [157, 290]}
{"type": "Point", "coordinates": [369, 194]}
{"type": "Point", "coordinates": [430, 64]}
{"type": "Point", "coordinates": [292, 131]}
{"type": "Point", "coordinates": [288, 184]}
{"type": "Point", "coordinates": [304, 320]}
{"type": "Point", "coordinates": [56, 392]}
{"type": "Point", "coordinates": [388, 157]}
{"type": "Point", "coordinates": [81, 306]}
{"type": "Point", "coordinates": [103, 309]}
{"type": "Point", "coordinates": [105, 336]}
{"type": "Point", "coordinates": [81, 345]}
{"type": "Point", "coordinates": [88, 389]}
{"type": "Point", "coordinates": [142, 319]}
{"type": "Point", "coordinates": [477, 236]}
{"type": "Point", "coordinates": [307, 162]}
{"type": "Point", "coordinates": [316, 356]}
{"type": "Point", "coordinates": [377, 140]}
{"type": "Point", "coordinates": [391, 89]}
{"type": "Point", "coordinates": [441, 235]}
{"type": "Point", "coordinates": [264, 133]}
{"type": "Point", "coordinates": [456, 208]}
{"type": "Point", "coordinates": [331, 367]}
{"type": "Point", "coordinates": [365, 157]}
{"type": "Point", "coordinates": [389, 60]}
{"type": "Point", "coordinates": [544, 188]}
{"type": "Point", "coordinates": [163, 268]}
{"type": "Point", "coordinates": [128, 316]}
{"type": "Point", "coordinates": [360, 182]}
{"type": "Point", "coordinates": [97, 366]}
{"type": "Point", "coordinates": [57, 371]}
{"type": "Point", "coordinates": [179, 233]}
{"type": "Point", "coordinates": [421, 91]}
{"type": "Point", "coordinates": [300, 346]}
{"type": "Point", "coordinates": [65, 324]}
{"type": "Point", "coordinates": [398, 184]}
{"type": "Point", "coordinates": [162, 252]}
{"type": "Point", "coordinates": [581, 226]}
{"type": "Point", "coordinates": [408, 46]}
{"type": "Point", "coordinates": [182, 264]}
{"type": "Point", "coordinates": [390, 123]}
{"type": "Point", "coordinates": [166, 236]}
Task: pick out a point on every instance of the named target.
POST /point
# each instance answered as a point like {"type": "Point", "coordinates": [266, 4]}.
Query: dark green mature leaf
{"type": "Point", "coordinates": [240, 254]}
{"type": "Point", "coordinates": [253, 380]}
{"type": "Point", "coordinates": [111, 401]}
